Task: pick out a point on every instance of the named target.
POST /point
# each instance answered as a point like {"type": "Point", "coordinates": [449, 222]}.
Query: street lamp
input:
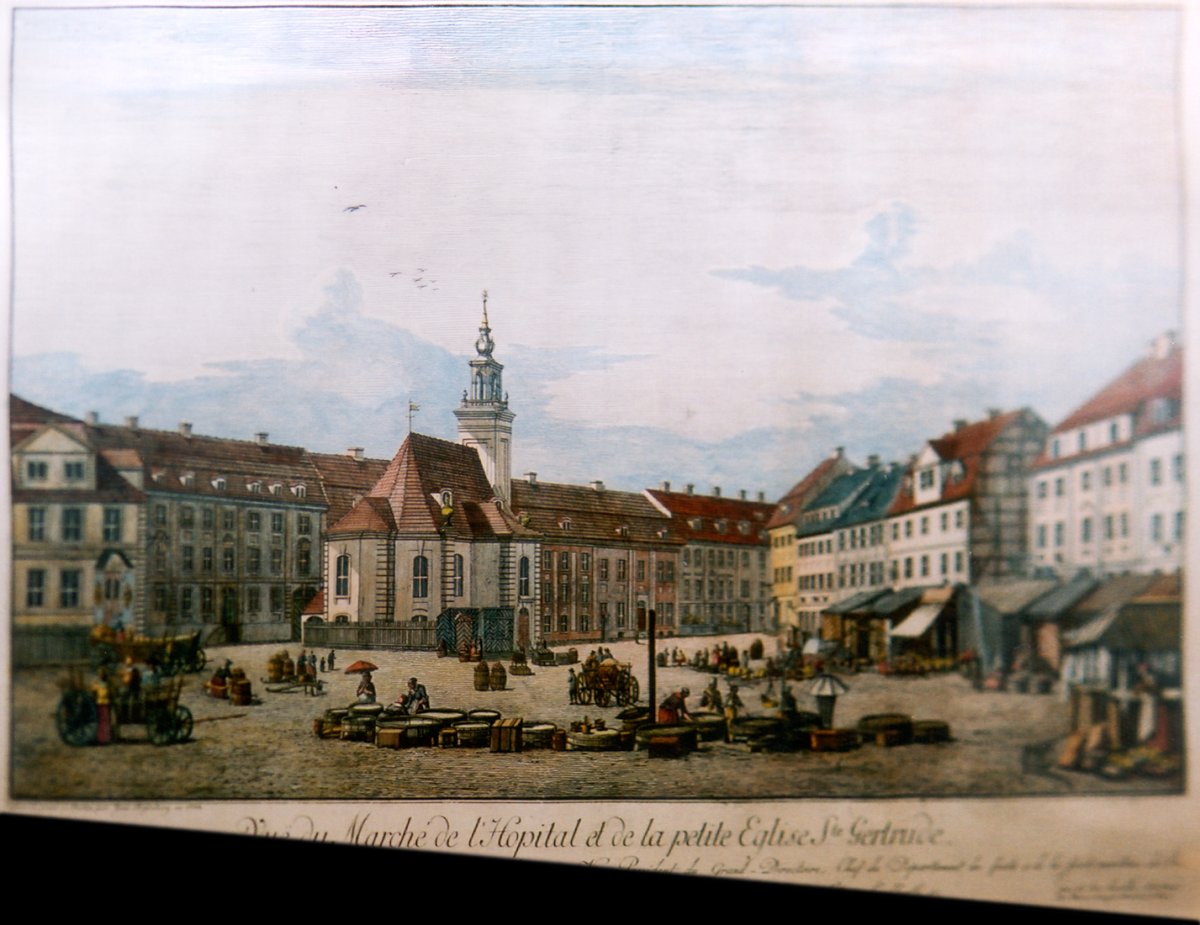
{"type": "Point", "coordinates": [826, 687]}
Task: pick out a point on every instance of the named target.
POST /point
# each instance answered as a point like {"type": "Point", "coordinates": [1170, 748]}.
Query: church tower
{"type": "Point", "coordinates": [484, 420]}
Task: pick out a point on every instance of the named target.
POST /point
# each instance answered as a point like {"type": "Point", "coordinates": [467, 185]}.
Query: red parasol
{"type": "Point", "coordinates": [360, 666]}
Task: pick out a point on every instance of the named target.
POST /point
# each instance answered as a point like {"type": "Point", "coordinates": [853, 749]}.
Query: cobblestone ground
{"type": "Point", "coordinates": [268, 751]}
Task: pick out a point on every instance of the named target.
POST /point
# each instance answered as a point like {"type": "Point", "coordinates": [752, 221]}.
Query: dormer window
{"type": "Point", "coordinates": [187, 479]}
{"type": "Point", "coordinates": [218, 483]}
{"type": "Point", "coordinates": [276, 489]}
{"type": "Point", "coordinates": [73, 471]}
{"type": "Point", "coordinates": [695, 523]}
{"type": "Point", "coordinates": [300, 491]}
{"type": "Point", "coordinates": [254, 487]}
{"type": "Point", "coordinates": [926, 478]}
{"type": "Point", "coordinates": [156, 475]}
{"type": "Point", "coordinates": [565, 523]}
{"type": "Point", "coordinates": [623, 530]}
{"type": "Point", "coordinates": [721, 525]}
{"type": "Point", "coordinates": [447, 498]}
{"type": "Point", "coordinates": [37, 471]}
{"type": "Point", "coordinates": [744, 528]}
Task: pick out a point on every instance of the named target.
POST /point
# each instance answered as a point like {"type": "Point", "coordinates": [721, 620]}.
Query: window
{"type": "Point", "coordinates": [1124, 524]}
{"type": "Point", "coordinates": [585, 561]}
{"type": "Point", "coordinates": [926, 478]}
{"type": "Point", "coordinates": [1085, 481]}
{"type": "Point", "coordinates": [1156, 526]}
{"type": "Point", "coordinates": [924, 566]}
{"type": "Point", "coordinates": [1107, 477]}
{"type": "Point", "coordinates": [276, 489]}
{"type": "Point", "coordinates": [228, 560]}
{"type": "Point", "coordinates": [564, 561]}
{"type": "Point", "coordinates": [908, 567]}
{"type": "Point", "coordinates": [641, 569]}
{"type": "Point", "coordinates": [945, 563]}
{"type": "Point", "coordinates": [420, 577]}
{"type": "Point", "coordinates": [162, 598]}
{"type": "Point", "coordinates": [1041, 488]}
{"type": "Point", "coordinates": [160, 515]}
{"type": "Point", "coordinates": [188, 554]}
{"type": "Point", "coordinates": [1108, 526]}
{"type": "Point", "coordinates": [304, 525]}
{"type": "Point", "coordinates": [1177, 468]}
{"type": "Point", "coordinates": [187, 518]}
{"type": "Point", "coordinates": [960, 518]}
{"type": "Point", "coordinates": [277, 522]}
{"type": "Point", "coordinates": [1085, 530]}
{"type": "Point", "coordinates": [1123, 473]}
{"type": "Point", "coordinates": [37, 524]}
{"type": "Point", "coordinates": [1156, 472]}
{"type": "Point", "coordinates": [277, 599]}
{"type": "Point", "coordinates": [160, 558]}
{"type": "Point", "coordinates": [207, 518]}
{"type": "Point", "coordinates": [229, 519]}
{"type": "Point", "coordinates": [1114, 432]}
{"type": "Point", "coordinates": [303, 559]}
{"type": "Point", "coordinates": [35, 587]}
{"type": "Point", "coordinates": [253, 600]}
{"type": "Point", "coordinates": [958, 562]}
{"type": "Point", "coordinates": [585, 592]}
{"type": "Point", "coordinates": [458, 576]}
{"type": "Point", "coordinates": [276, 561]}
{"type": "Point", "coordinates": [1059, 531]}
{"type": "Point", "coordinates": [253, 521]}
{"type": "Point", "coordinates": [342, 585]}
{"type": "Point", "coordinates": [547, 560]}
{"type": "Point", "coordinates": [564, 589]}
{"type": "Point", "coordinates": [564, 623]}
{"type": "Point", "coordinates": [604, 570]}
{"type": "Point", "coordinates": [547, 624]}
{"type": "Point", "coordinates": [908, 528]}
{"type": "Point", "coordinates": [945, 521]}
{"type": "Point", "coordinates": [68, 587]}
{"type": "Point", "coordinates": [622, 567]}
{"type": "Point", "coordinates": [72, 525]}
{"type": "Point", "coordinates": [896, 531]}
{"type": "Point", "coordinates": [1060, 487]}
{"type": "Point", "coordinates": [73, 471]}
{"type": "Point", "coordinates": [1055, 449]}
{"type": "Point", "coordinates": [253, 560]}
{"type": "Point", "coordinates": [745, 588]}
{"type": "Point", "coordinates": [1178, 526]}
{"type": "Point", "coordinates": [620, 613]}
{"type": "Point", "coordinates": [523, 577]}
{"type": "Point", "coordinates": [547, 592]}
{"type": "Point", "coordinates": [206, 560]}
{"type": "Point", "coordinates": [300, 491]}
{"type": "Point", "coordinates": [924, 526]}
{"type": "Point", "coordinates": [206, 604]}
{"type": "Point", "coordinates": [1082, 441]}
{"type": "Point", "coordinates": [37, 471]}
{"type": "Point", "coordinates": [185, 603]}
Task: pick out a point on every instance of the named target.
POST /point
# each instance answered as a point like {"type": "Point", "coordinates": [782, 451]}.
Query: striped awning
{"type": "Point", "coordinates": [915, 625]}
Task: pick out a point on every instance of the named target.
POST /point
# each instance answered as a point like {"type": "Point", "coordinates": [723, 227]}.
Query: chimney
{"type": "Point", "coordinates": [131, 422]}
{"type": "Point", "coordinates": [531, 478]}
{"type": "Point", "coordinates": [994, 413]}
{"type": "Point", "coordinates": [691, 489]}
{"type": "Point", "coordinates": [597, 485]}
{"type": "Point", "coordinates": [355, 452]}
{"type": "Point", "coordinates": [873, 461]}
{"type": "Point", "coordinates": [960, 423]}
{"type": "Point", "coordinates": [839, 451]}
{"type": "Point", "coordinates": [666, 486]}
{"type": "Point", "coordinates": [762, 497]}
{"type": "Point", "coordinates": [716, 491]}
{"type": "Point", "coordinates": [742, 494]}
{"type": "Point", "coordinates": [261, 437]}
{"type": "Point", "coordinates": [92, 418]}
{"type": "Point", "coordinates": [185, 428]}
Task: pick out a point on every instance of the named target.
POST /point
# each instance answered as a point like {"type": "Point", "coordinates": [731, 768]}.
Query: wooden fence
{"type": "Point", "coordinates": [404, 635]}
{"type": "Point", "coordinates": [49, 645]}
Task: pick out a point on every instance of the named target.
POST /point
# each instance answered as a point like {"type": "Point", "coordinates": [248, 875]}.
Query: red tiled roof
{"type": "Point", "coordinates": [792, 505]}
{"type": "Point", "coordinates": [22, 412]}
{"type": "Point", "coordinates": [591, 515]}
{"type": "Point", "coordinates": [345, 479]}
{"type": "Point", "coordinates": [1149, 378]}
{"type": "Point", "coordinates": [315, 605]}
{"type": "Point", "coordinates": [369, 515]}
{"type": "Point", "coordinates": [1167, 587]}
{"type": "Point", "coordinates": [686, 509]}
{"type": "Point", "coordinates": [966, 445]}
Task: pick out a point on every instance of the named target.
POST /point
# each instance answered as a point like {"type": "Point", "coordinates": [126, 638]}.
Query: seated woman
{"type": "Point", "coordinates": [366, 689]}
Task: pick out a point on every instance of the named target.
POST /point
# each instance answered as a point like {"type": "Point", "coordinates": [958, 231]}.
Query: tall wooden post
{"type": "Point", "coordinates": [653, 630]}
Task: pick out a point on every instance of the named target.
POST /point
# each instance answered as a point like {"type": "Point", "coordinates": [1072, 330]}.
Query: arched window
{"type": "Point", "coordinates": [343, 576]}
{"type": "Point", "coordinates": [523, 577]}
{"type": "Point", "coordinates": [420, 577]}
{"type": "Point", "coordinates": [458, 576]}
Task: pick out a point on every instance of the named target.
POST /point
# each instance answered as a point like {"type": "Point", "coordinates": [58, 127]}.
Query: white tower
{"type": "Point", "coordinates": [484, 420]}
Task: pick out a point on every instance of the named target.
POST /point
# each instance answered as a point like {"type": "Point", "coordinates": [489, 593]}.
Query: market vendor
{"type": "Point", "coordinates": [674, 708]}
{"type": "Point", "coordinates": [366, 689]}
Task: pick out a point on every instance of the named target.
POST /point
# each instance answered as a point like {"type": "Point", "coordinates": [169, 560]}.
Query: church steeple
{"type": "Point", "coordinates": [484, 420]}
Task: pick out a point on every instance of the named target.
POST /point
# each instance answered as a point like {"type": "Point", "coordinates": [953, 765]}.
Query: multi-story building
{"type": "Point", "coordinates": [841, 547]}
{"type": "Point", "coordinates": [607, 559]}
{"type": "Point", "coordinates": [77, 560]}
{"type": "Point", "coordinates": [789, 611]}
{"type": "Point", "coordinates": [724, 581]}
{"type": "Point", "coordinates": [1108, 488]}
{"type": "Point", "coordinates": [963, 513]}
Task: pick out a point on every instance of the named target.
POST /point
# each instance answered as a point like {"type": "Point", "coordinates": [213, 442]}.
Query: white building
{"type": "Point", "coordinates": [1108, 490]}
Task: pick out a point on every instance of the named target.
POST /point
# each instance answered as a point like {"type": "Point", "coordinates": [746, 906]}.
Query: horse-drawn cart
{"type": "Point", "coordinates": [81, 718]}
{"type": "Point", "coordinates": [602, 683]}
{"type": "Point", "coordinates": [171, 654]}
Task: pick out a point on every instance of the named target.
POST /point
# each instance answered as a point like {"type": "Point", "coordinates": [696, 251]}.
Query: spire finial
{"type": "Point", "coordinates": [485, 321]}
{"type": "Point", "coordinates": [484, 345]}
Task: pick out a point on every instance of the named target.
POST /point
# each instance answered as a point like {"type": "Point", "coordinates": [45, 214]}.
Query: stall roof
{"type": "Point", "coordinates": [1133, 626]}
{"type": "Point", "coordinates": [1011, 596]}
{"type": "Point", "coordinates": [1057, 602]}
{"type": "Point", "coordinates": [859, 601]}
{"type": "Point", "coordinates": [917, 623]}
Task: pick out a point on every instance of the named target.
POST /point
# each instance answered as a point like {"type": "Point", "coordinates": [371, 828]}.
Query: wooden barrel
{"type": "Point", "coordinates": [274, 669]}
{"type": "Point", "coordinates": [366, 709]}
{"type": "Point", "coordinates": [484, 716]}
{"type": "Point", "coordinates": [900, 724]}
{"type": "Point", "coordinates": [499, 678]}
{"type": "Point", "coordinates": [931, 730]}
{"type": "Point", "coordinates": [537, 735]}
{"type": "Point", "coordinates": [710, 727]}
{"type": "Point", "coordinates": [357, 727]}
{"type": "Point", "coordinates": [415, 731]}
{"type": "Point", "coordinates": [688, 734]}
{"type": "Point", "coordinates": [337, 714]}
{"type": "Point", "coordinates": [448, 738]}
{"type": "Point", "coordinates": [482, 680]}
{"type": "Point", "coordinates": [834, 740]}
{"type": "Point", "coordinates": [240, 694]}
{"type": "Point", "coordinates": [473, 734]}
{"type": "Point", "coordinates": [753, 727]}
{"type": "Point", "coordinates": [602, 740]}
{"type": "Point", "coordinates": [444, 718]}
{"type": "Point", "coordinates": [559, 740]}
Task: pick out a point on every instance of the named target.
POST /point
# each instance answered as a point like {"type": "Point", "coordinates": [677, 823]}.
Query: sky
{"type": "Point", "coordinates": [718, 242]}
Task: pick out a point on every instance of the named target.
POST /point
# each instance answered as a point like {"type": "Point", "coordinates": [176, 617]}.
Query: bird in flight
{"type": "Point", "coordinates": [361, 205]}
{"type": "Point", "coordinates": [396, 273]}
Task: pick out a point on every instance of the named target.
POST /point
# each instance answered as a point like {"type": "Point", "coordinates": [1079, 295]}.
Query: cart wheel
{"type": "Point", "coordinates": [76, 718]}
{"type": "Point", "coordinates": [160, 727]}
{"type": "Point", "coordinates": [634, 690]}
{"type": "Point", "coordinates": [183, 723]}
{"type": "Point", "coordinates": [199, 660]}
{"type": "Point", "coordinates": [585, 692]}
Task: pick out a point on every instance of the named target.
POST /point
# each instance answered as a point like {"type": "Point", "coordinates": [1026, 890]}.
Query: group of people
{"type": "Point", "coordinates": [414, 699]}
{"type": "Point", "coordinates": [307, 664]}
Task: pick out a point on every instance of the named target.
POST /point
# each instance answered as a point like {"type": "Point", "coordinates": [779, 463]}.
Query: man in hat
{"type": "Point", "coordinates": [572, 686]}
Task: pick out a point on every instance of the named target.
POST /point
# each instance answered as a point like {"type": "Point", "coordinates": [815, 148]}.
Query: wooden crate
{"type": "Point", "coordinates": [506, 735]}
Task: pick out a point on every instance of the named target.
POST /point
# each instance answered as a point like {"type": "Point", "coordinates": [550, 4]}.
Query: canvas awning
{"type": "Point", "coordinates": [915, 625]}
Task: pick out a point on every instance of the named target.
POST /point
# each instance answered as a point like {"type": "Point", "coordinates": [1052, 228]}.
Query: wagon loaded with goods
{"type": "Point", "coordinates": [99, 714]}
{"type": "Point", "coordinates": [607, 681]}
{"type": "Point", "coordinates": [171, 654]}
